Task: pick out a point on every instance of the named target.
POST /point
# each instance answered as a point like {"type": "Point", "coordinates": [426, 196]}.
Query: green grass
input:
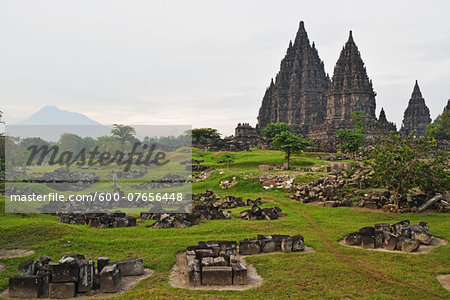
{"type": "Point", "coordinates": [332, 271]}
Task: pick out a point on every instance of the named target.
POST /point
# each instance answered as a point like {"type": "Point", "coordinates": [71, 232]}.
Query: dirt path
{"type": "Point", "coordinates": [15, 253]}
{"type": "Point", "coordinates": [2, 266]}
{"type": "Point", "coordinates": [378, 275]}
{"type": "Point", "coordinates": [444, 280]}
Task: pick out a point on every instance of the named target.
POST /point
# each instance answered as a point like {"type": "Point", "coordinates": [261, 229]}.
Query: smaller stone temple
{"type": "Point", "coordinates": [384, 125]}
{"type": "Point", "coordinates": [417, 114]}
{"type": "Point", "coordinates": [245, 131]}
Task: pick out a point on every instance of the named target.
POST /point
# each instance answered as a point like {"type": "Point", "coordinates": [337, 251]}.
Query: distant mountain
{"type": "Point", "coordinates": [51, 115]}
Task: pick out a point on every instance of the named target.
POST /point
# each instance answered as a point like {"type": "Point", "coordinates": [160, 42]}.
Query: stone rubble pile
{"type": "Point", "coordinates": [62, 179]}
{"type": "Point", "coordinates": [130, 174]}
{"type": "Point", "coordinates": [401, 236]}
{"type": "Point", "coordinates": [257, 213]}
{"type": "Point", "coordinates": [71, 275]}
{"type": "Point", "coordinates": [99, 220]}
{"type": "Point", "coordinates": [206, 206]}
{"type": "Point", "coordinates": [218, 262]}
{"type": "Point", "coordinates": [226, 184]}
{"type": "Point", "coordinates": [168, 181]}
{"type": "Point", "coordinates": [334, 157]}
{"type": "Point", "coordinates": [270, 181]}
{"type": "Point", "coordinates": [336, 190]}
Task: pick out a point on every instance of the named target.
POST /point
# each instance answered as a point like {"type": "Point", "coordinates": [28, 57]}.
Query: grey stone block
{"type": "Point", "coordinates": [130, 267]}
{"type": "Point", "coordinates": [62, 290]}
{"type": "Point", "coordinates": [110, 279]}
{"type": "Point", "coordinates": [217, 275]}
{"type": "Point", "coordinates": [239, 274]}
{"type": "Point", "coordinates": [21, 286]}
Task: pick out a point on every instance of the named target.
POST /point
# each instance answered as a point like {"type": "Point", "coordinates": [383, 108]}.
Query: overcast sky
{"type": "Point", "coordinates": [207, 63]}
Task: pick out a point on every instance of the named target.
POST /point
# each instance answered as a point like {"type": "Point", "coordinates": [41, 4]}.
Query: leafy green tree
{"type": "Point", "coordinates": [401, 164]}
{"type": "Point", "coordinates": [33, 141]}
{"type": "Point", "coordinates": [203, 134]}
{"type": "Point", "coordinates": [70, 142]}
{"type": "Point", "coordinates": [124, 133]}
{"type": "Point", "coordinates": [272, 129]}
{"type": "Point", "coordinates": [358, 118]}
{"type": "Point", "coordinates": [290, 144]}
{"type": "Point", "coordinates": [350, 140]}
{"type": "Point", "coordinates": [440, 127]}
{"type": "Point", "coordinates": [108, 144]}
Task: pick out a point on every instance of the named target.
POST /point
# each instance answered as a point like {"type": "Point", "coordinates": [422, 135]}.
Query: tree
{"type": "Point", "coordinates": [440, 127]}
{"type": "Point", "coordinates": [124, 133]}
{"type": "Point", "coordinates": [70, 142]}
{"type": "Point", "coordinates": [203, 134]}
{"type": "Point", "coordinates": [109, 144]}
{"type": "Point", "coordinates": [401, 164]}
{"type": "Point", "coordinates": [350, 140]}
{"type": "Point", "coordinates": [272, 129]}
{"type": "Point", "coordinates": [290, 144]}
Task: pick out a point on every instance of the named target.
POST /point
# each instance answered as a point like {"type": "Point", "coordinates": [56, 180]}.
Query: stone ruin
{"type": "Point", "coordinates": [71, 275]}
{"type": "Point", "coordinates": [334, 157]}
{"type": "Point", "coordinates": [417, 114]}
{"type": "Point", "coordinates": [99, 220]}
{"type": "Point", "coordinates": [218, 262]}
{"type": "Point", "coordinates": [62, 179]}
{"type": "Point", "coordinates": [168, 181]}
{"type": "Point", "coordinates": [400, 236]}
{"type": "Point", "coordinates": [337, 189]}
{"type": "Point", "coordinates": [206, 206]}
{"type": "Point", "coordinates": [271, 181]}
{"type": "Point", "coordinates": [130, 174]}
{"type": "Point", "coordinates": [257, 213]}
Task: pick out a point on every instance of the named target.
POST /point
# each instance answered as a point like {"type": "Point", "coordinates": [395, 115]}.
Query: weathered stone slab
{"type": "Point", "coordinates": [61, 290]}
{"type": "Point", "coordinates": [217, 275]}
{"type": "Point", "coordinates": [86, 276]}
{"type": "Point", "coordinates": [379, 239]}
{"type": "Point", "coordinates": [298, 244]}
{"type": "Point", "coordinates": [26, 268]}
{"type": "Point", "coordinates": [249, 247]}
{"type": "Point", "coordinates": [409, 245]}
{"type": "Point", "coordinates": [130, 267]}
{"type": "Point", "coordinates": [420, 234]}
{"type": "Point", "coordinates": [268, 246]}
{"type": "Point", "coordinates": [101, 263]}
{"type": "Point", "coordinates": [368, 231]}
{"type": "Point", "coordinates": [239, 273]}
{"type": "Point", "coordinates": [286, 245]}
{"type": "Point", "coordinates": [64, 272]}
{"type": "Point", "coordinates": [367, 242]}
{"type": "Point", "coordinates": [21, 286]}
{"type": "Point", "coordinates": [110, 279]}
{"type": "Point", "coordinates": [390, 242]}
{"type": "Point", "coordinates": [353, 239]}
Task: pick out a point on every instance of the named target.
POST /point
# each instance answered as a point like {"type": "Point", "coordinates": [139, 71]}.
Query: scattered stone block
{"type": "Point", "coordinates": [379, 238]}
{"type": "Point", "coordinates": [390, 242]}
{"type": "Point", "coordinates": [110, 279]}
{"type": "Point", "coordinates": [410, 245]}
{"type": "Point", "coordinates": [298, 244]}
{"type": "Point", "coordinates": [62, 290]}
{"type": "Point", "coordinates": [26, 268]}
{"type": "Point", "coordinates": [130, 267]}
{"type": "Point", "coordinates": [353, 239]}
{"type": "Point", "coordinates": [268, 246]}
{"type": "Point", "coordinates": [68, 272]}
{"type": "Point", "coordinates": [367, 242]}
{"type": "Point", "coordinates": [239, 274]}
{"type": "Point", "coordinates": [249, 247]}
{"type": "Point", "coordinates": [101, 263]}
{"type": "Point", "coordinates": [420, 234]}
{"type": "Point", "coordinates": [217, 275]}
{"type": "Point", "coordinates": [286, 245]}
{"type": "Point", "coordinates": [22, 286]}
{"type": "Point", "coordinates": [367, 231]}
{"type": "Point", "coordinates": [86, 276]}
{"type": "Point", "coordinates": [46, 277]}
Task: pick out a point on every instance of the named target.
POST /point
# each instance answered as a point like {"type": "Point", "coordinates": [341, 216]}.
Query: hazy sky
{"type": "Point", "coordinates": [207, 63]}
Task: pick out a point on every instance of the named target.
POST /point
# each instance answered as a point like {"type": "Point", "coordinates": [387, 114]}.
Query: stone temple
{"type": "Point", "coordinates": [298, 94]}
{"type": "Point", "coordinates": [417, 114]}
{"type": "Point", "coordinates": [303, 96]}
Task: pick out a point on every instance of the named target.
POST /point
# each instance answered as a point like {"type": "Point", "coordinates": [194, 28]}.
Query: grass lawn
{"type": "Point", "coordinates": [332, 271]}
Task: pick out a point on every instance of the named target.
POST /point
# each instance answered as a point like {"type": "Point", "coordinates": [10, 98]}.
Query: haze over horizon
{"type": "Point", "coordinates": [206, 63]}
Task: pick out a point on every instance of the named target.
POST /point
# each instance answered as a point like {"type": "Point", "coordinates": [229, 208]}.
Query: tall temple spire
{"type": "Point", "coordinates": [350, 89]}
{"type": "Point", "coordinates": [297, 95]}
{"type": "Point", "coordinates": [417, 114]}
